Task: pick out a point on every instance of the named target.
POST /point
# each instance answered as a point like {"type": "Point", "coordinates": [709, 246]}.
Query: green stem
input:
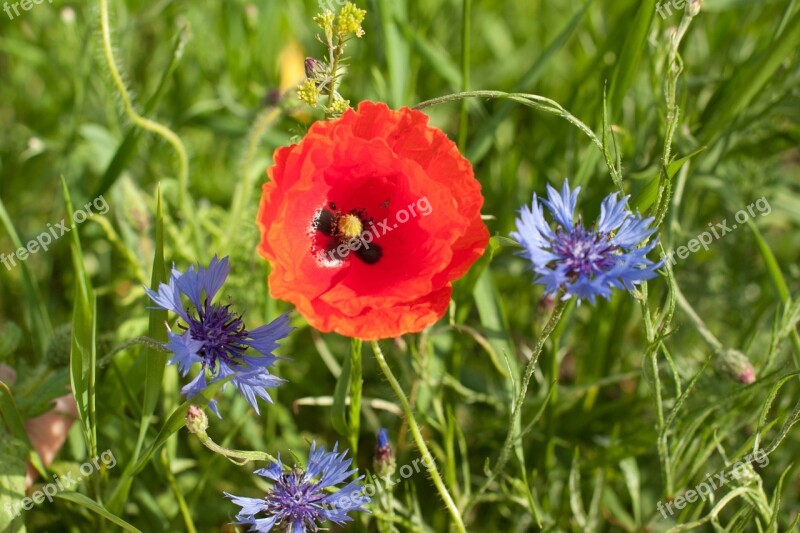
{"type": "Point", "coordinates": [465, 58]}
{"type": "Point", "coordinates": [176, 490]}
{"type": "Point", "coordinates": [142, 122]}
{"type": "Point", "coordinates": [136, 341]}
{"type": "Point", "coordinates": [242, 455]}
{"type": "Point", "coordinates": [516, 414]}
{"type": "Point", "coordinates": [530, 100]}
{"type": "Point", "coordinates": [550, 454]}
{"type": "Point", "coordinates": [356, 383]}
{"type": "Point", "coordinates": [418, 438]}
{"type": "Point", "coordinates": [337, 53]}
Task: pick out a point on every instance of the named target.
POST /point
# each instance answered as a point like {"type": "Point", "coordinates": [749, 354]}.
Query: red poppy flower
{"type": "Point", "coordinates": [368, 220]}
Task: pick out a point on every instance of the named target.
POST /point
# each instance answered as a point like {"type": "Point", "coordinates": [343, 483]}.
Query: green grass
{"type": "Point", "coordinates": [647, 402]}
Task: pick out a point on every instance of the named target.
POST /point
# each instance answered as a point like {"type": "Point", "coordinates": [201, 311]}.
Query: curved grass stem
{"type": "Point", "coordinates": [145, 123]}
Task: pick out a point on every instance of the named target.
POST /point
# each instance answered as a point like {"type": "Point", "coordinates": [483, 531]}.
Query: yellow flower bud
{"type": "Point", "coordinates": [339, 106]}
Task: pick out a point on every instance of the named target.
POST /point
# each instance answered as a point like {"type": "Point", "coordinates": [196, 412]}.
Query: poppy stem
{"type": "Point", "coordinates": [356, 383]}
{"type": "Point", "coordinates": [418, 438]}
{"type": "Point", "coordinates": [516, 414]}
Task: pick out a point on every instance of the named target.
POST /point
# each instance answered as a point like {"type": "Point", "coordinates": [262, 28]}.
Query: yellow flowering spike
{"type": "Point", "coordinates": [350, 19]}
{"type": "Point", "coordinates": [308, 92]}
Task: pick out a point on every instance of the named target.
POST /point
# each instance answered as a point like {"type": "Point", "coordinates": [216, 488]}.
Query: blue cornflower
{"type": "Point", "coordinates": [216, 337]}
{"type": "Point", "coordinates": [384, 461]}
{"type": "Point", "coordinates": [298, 501]}
{"type": "Point", "coordinates": [585, 262]}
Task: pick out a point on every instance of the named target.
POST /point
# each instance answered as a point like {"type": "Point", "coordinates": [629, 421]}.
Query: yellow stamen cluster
{"type": "Point", "coordinates": [350, 226]}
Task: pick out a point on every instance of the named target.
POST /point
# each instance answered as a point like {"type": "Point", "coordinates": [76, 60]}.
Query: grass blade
{"type": "Point", "coordinates": [88, 503]}
{"type": "Point", "coordinates": [83, 354]}
{"type": "Point", "coordinates": [736, 94]}
{"type": "Point", "coordinates": [37, 317]}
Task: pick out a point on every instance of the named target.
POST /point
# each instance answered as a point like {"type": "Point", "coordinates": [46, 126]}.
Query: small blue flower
{"type": "Point", "coordinates": [585, 262]}
{"type": "Point", "coordinates": [384, 461]}
{"type": "Point", "coordinates": [216, 337]}
{"type": "Point", "coordinates": [298, 501]}
{"type": "Point", "coordinates": [383, 439]}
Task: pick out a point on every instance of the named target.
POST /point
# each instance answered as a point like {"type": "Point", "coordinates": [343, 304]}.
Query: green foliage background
{"type": "Point", "coordinates": [606, 449]}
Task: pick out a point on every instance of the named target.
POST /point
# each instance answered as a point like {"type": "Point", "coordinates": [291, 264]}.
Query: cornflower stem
{"type": "Point", "coordinates": [550, 454]}
{"type": "Point", "coordinates": [238, 456]}
{"type": "Point", "coordinates": [418, 439]}
{"type": "Point", "coordinates": [516, 414]}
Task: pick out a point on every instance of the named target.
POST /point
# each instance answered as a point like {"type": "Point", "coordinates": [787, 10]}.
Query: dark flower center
{"type": "Point", "coordinates": [583, 252]}
{"type": "Point", "coordinates": [221, 332]}
{"type": "Point", "coordinates": [344, 234]}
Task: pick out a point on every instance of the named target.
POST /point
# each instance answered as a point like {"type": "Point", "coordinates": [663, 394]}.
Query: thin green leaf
{"type": "Point", "coordinates": [737, 92]}
{"type": "Point", "coordinates": [88, 503]}
{"type": "Point", "coordinates": [83, 354]}
{"type": "Point", "coordinates": [36, 310]}
{"type": "Point", "coordinates": [13, 461]}
{"type": "Point", "coordinates": [479, 147]}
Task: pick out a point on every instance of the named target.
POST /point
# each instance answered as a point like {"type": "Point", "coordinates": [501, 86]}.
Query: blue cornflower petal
{"type": "Point", "coordinates": [274, 471]}
{"type": "Point", "coordinates": [168, 297]}
{"type": "Point", "coordinates": [634, 230]}
{"type": "Point", "coordinates": [216, 336]}
{"type": "Point", "coordinates": [534, 234]}
{"type": "Point", "coordinates": [189, 284]}
{"type": "Point", "coordinates": [562, 206]}
{"type": "Point", "coordinates": [196, 281]}
{"type": "Point", "coordinates": [298, 500]}
{"type": "Point", "coordinates": [383, 438]}
{"type": "Point", "coordinates": [214, 277]}
{"type": "Point", "coordinates": [344, 501]}
{"type": "Point", "coordinates": [264, 339]}
{"type": "Point", "coordinates": [185, 351]}
{"type": "Point", "coordinates": [250, 383]}
{"type": "Point", "coordinates": [196, 386]}
{"type": "Point", "coordinates": [250, 506]}
{"type": "Point", "coordinates": [212, 404]}
{"type": "Point", "coordinates": [613, 212]}
{"type": "Point", "coordinates": [586, 262]}
{"type": "Point", "coordinates": [260, 525]}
